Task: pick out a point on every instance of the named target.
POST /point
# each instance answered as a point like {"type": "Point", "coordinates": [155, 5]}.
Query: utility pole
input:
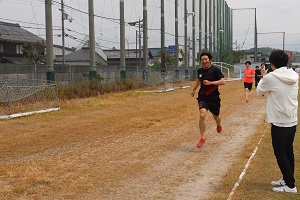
{"type": "Point", "coordinates": [214, 29]}
{"type": "Point", "coordinates": [209, 28]}
{"type": "Point", "coordinates": [145, 39]}
{"type": "Point", "coordinates": [163, 56]}
{"type": "Point", "coordinates": [138, 33]}
{"type": "Point", "coordinates": [93, 72]}
{"type": "Point", "coordinates": [255, 38]}
{"type": "Point", "coordinates": [200, 28]}
{"type": "Point", "coordinates": [283, 42]}
{"type": "Point", "coordinates": [49, 41]}
{"type": "Point", "coordinates": [194, 40]}
{"type": "Point", "coordinates": [226, 36]}
{"type": "Point", "coordinates": [218, 30]}
{"type": "Point", "coordinates": [176, 41]}
{"type": "Point", "coordinates": [122, 41]}
{"type": "Point", "coordinates": [140, 44]}
{"type": "Point", "coordinates": [222, 30]}
{"type": "Point", "coordinates": [231, 37]}
{"type": "Point", "coordinates": [63, 31]}
{"type": "Point", "coordinates": [136, 49]}
{"type": "Point", "coordinates": [186, 53]}
{"type": "Point", "coordinates": [205, 27]}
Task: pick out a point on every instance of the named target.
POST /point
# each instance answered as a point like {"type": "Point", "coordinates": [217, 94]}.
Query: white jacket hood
{"type": "Point", "coordinates": [281, 87]}
{"type": "Point", "coordinates": [286, 75]}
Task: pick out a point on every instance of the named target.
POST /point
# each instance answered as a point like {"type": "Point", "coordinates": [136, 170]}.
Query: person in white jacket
{"type": "Point", "coordinates": [281, 87]}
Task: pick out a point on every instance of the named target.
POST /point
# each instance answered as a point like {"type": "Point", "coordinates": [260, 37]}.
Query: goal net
{"type": "Point", "coordinates": [157, 81]}
{"type": "Point", "coordinates": [20, 97]}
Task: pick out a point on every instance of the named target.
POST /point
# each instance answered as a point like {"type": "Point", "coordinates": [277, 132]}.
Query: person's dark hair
{"type": "Point", "coordinates": [206, 54]}
{"type": "Point", "coordinates": [256, 66]}
{"type": "Point", "coordinates": [279, 58]}
{"type": "Point", "coordinates": [248, 62]}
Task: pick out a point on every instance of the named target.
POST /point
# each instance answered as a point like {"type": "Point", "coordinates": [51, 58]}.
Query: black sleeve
{"type": "Point", "coordinates": [218, 73]}
{"type": "Point", "coordinates": [198, 73]}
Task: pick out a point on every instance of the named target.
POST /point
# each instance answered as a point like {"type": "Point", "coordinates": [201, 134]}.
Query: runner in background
{"type": "Point", "coordinates": [248, 79]}
{"type": "Point", "coordinates": [257, 75]}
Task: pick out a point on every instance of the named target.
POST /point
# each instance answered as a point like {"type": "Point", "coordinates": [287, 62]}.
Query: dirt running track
{"type": "Point", "coordinates": [125, 146]}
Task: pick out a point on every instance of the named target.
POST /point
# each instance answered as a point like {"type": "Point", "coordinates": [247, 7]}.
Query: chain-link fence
{"type": "Point", "coordinates": [19, 97]}
{"type": "Point", "coordinates": [161, 80]}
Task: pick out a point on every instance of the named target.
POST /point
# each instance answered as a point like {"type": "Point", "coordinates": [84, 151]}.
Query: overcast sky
{"type": "Point", "coordinates": [272, 16]}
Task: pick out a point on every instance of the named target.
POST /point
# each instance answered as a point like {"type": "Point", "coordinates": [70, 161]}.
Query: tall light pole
{"type": "Point", "coordinates": [255, 37]}
{"type": "Point", "coordinates": [122, 41]}
{"type": "Point", "coordinates": [63, 31]}
{"type": "Point", "coordinates": [205, 25]}
{"type": "Point", "coordinates": [221, 38]}
{"type": "Point", "coordinates": [176, 41]}
{"type": "Point", "coordinates": [186, 45]}
{"type": "Point", "coordinates": [93, 72]}
{"type": "Point", "coordinates": [185, 38]}
{"type": "Point", "coordinates": [193, 41]}
{"type": "Point", "coordinates": [49, 41]}
{"type": "Point", "coordinates": [209, 27]}
{"type": "Point", "coordinates": [214, 28]}
{"type": "Point", "coordinates": [145, 39]}
{"type": "Point", "coordinates": [200, 28]}
{"type": "Point", "coordinates": [162, 34]}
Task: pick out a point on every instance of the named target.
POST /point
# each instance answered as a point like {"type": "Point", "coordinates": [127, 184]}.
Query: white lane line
{"type": "Point", "coordinates": [245, 169]}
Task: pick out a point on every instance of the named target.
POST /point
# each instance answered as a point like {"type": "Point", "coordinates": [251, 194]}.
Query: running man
{"type": "Point", "coordinates": [209, 78]}
{"type": "Point", "coordinates": [249, 73]}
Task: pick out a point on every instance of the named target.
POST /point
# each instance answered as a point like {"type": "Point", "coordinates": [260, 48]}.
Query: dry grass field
{"type": "Point", "coordinates": [129, 145]}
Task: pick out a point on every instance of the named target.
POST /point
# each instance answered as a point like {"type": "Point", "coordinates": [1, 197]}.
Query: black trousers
{"type": "Point", "coordinates": [257, 79]}
{"type": "Point", "coordinates": [282, 141]}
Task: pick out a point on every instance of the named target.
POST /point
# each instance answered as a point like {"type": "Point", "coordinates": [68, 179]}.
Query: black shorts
{"type": "Point", "coordinates": [248, 85]}
{"type": "Point", "coordinates": [213, 107]}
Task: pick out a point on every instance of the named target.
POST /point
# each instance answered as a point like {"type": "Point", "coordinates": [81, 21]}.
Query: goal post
{"type": "Point", "coordinates": [20, 97]}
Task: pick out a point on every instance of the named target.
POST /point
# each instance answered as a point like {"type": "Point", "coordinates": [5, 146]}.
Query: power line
{"type": "Point", "coordinates": [108, 18]}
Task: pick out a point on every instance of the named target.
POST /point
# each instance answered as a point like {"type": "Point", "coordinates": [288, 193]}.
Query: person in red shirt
{"type": "Point", "coordinates": [249, 73]}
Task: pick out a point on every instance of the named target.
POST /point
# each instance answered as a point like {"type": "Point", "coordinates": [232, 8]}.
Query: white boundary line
{"type": "Point", "coordinates": [245, 169]}
{"type": "Point", "coordinates": [28, 113]}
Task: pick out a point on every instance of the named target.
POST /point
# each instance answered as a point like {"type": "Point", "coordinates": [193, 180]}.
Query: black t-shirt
{"type": "Point", "coordinates": [257, 72]}
{"type": "Point", "coordinates": [209, 92]}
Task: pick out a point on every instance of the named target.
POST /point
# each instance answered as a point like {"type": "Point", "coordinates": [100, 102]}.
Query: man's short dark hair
{"type": "Point", "coordinates": [206, 54]}
{"type": "Point", "coordinates": [279, 58]}
{"type": "Point", "coordinates": [256, 66]}
{"type": "Point", "coordinates": [248, 62]}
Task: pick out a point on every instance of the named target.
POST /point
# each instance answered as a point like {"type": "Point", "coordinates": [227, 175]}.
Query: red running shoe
{"type": "Point", "coordinates": [219, 128]}
{"type": "Point", "coordinates": [201, 142]}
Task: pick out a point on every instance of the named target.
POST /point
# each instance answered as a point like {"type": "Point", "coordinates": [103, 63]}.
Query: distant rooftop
{"type": "Point", "coordinates": [14, 33]}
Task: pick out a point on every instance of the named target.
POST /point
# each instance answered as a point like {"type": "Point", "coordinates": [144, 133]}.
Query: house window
{"type": "Point", "coordinates": [19, 48]}
{"type": "Point", "coordinates": [1, 48]}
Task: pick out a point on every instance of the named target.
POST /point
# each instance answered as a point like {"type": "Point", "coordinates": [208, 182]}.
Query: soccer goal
{"type": "Point", "coordinates": [157, 81]}
{"type": "Point", "coordinates": [20, 97]}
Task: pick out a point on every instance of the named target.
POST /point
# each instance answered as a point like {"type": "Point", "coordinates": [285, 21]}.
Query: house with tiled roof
{"type": "Point", "coordinates": [131, 57]}
{"type": "Point", "coordinates": [81, 56]}
{"type": "Point", "coordinates": [12, 39]}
